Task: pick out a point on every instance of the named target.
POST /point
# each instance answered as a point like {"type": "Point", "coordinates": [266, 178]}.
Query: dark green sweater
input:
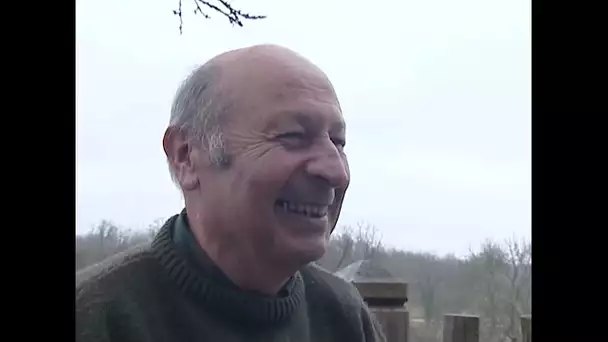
{"type": "Point", "coordinates": [171, 291]}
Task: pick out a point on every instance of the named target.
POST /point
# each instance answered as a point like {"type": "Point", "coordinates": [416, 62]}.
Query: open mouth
{"type": "Point", "coordinates": [307, 210]}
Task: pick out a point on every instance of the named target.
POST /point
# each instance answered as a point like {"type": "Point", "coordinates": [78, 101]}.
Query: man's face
{"type": "Point", "coordinates": [282, 194]}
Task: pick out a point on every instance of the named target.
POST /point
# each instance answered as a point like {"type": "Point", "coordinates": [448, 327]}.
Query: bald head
{"type": "Point", "coordinates": [261, 58]}
{"type": "Point", "coordinates": [247, 75]}
{"type": "Point", "coordinates": [235, 80]}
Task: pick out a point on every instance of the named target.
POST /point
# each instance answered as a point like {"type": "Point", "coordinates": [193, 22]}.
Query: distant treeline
{"type": "Point", "coordinates": [494, 283]}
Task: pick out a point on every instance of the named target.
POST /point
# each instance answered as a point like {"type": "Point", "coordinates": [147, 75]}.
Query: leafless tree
{"type": "Point", "coordinates": [349, 244]}
{"type": "Point", "coordinates": [367, 241]}
{"type": "Point", "coordinates": [224, 8]}
{"type": "Point", "coordinates": [503, 275]}
{"type": "Point", "coordinates": [345, 244]}
{"type": "Point", "coordinates": [107, 239]}
{"type": "Point", "coordinates": [489, 265]}
{"type": "Point", "coordinates": [428, 283]}
{"type": "Point", "coordinates": [519, 258]}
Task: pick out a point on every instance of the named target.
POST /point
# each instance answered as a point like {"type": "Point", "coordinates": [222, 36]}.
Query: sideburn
{"type": "Point", "coordinates": [220, 158]}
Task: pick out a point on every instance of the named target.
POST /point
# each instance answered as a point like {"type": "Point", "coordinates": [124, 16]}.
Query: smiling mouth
{"type": "Point", "coordinates": [307, 210]}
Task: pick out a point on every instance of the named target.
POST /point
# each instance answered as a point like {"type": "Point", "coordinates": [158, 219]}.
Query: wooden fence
{"type": "Point", "coordinates": [387, 297]}
{"type": "Point", "coordinates": [387, 300]}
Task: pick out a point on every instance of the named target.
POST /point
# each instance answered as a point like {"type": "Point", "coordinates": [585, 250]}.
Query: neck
{"type": "Point", "coordinates": [241, 264]}
{"type": "Point", "coordinates": [176, 251]}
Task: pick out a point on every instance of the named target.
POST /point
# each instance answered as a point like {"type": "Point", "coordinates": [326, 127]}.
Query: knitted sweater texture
{"type": "Point", "coordinates": [160, 292]}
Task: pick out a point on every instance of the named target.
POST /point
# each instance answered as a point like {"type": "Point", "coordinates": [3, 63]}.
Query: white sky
{"type": "Point", "coordinates": [436, 94]}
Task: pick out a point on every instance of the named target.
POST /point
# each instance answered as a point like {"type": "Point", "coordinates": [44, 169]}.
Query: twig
{"type": "Point", "coordinates": [179, 14]}
{"type": "Point", "coordinates": [199, 10]}
{"type": "Point", "coordinates": [237, 13]}
{"type": "Point", "coordinates": [234, 16]}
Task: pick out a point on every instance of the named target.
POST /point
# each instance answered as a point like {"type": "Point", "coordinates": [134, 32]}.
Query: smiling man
{"type": "Point", "coordinates": [256, 145]}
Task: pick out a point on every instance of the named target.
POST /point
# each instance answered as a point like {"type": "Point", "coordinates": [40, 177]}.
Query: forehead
{"type": "Point", "coordinates": [286, 97]}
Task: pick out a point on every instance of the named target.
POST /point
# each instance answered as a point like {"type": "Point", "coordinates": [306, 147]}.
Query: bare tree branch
{"type": "Point", "coordinates": [368, 240]}
{"type": "Point", "coordinates": [235, 16]}
{"type": "Point", "coordinates": [199, 10]}
{"type": "Point", "coordinates": [346, 247]}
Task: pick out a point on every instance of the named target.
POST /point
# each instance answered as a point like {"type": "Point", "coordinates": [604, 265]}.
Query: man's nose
{"type": "Point", "coordinates": [330, 165]}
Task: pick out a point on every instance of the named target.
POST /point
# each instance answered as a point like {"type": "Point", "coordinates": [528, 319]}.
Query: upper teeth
{"type": "Point", "coordinates": [306, 209]}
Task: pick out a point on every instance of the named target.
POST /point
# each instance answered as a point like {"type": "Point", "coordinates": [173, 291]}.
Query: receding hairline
{"type": "Point", "coordinates": [222, 74]}
{"type": "Point", "coordinates": [245, 60]}
{"type": "Point", "coordinates": [255, 51]}
{"type": "Point", "coordinates": [203, 79]}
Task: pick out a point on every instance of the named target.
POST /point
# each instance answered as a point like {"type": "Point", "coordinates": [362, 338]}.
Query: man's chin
{"type": "Point", "coordinates": [302, 252]}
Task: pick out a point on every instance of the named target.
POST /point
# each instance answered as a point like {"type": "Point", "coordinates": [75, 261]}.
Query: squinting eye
{"type": "Point", "coordinates": [339, 142]}
{"type": "Point", "coordinates": [291, 135]}
{"type": "Point", "coordinates": [294, 139]}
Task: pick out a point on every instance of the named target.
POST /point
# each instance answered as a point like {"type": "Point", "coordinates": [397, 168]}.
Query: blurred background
{"type": "Point", "coordinates": [437, 98]}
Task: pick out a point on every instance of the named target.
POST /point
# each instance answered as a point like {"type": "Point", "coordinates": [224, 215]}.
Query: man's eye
{"type": "Point", "coordinates": [291, 135]}
{"type": "Point", "coordinates": [338, 141]}
{"type": "Point", "coordinates": [294, 139]}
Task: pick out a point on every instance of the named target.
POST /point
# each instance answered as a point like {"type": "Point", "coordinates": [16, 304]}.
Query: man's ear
{"type": "Point", "coordinates": [181, 159]}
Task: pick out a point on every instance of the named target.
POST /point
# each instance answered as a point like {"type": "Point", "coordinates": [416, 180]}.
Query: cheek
{"type": "Point", "coordinates": [273, 171]}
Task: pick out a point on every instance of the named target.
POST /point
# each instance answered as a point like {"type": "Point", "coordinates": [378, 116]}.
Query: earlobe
{"type": "Point", "coordinates": [178, 153]}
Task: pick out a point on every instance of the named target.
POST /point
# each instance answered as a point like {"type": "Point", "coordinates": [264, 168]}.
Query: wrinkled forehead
{"type": "Point", "coordinates": [272, 94]}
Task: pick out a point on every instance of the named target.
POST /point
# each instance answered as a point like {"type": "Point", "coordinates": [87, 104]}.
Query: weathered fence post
{"type": "Point", "coordinates": [387, 301]}
{"type": "Point", "coordinates": [460, 328]}
{"type": "Point", "coordinates": [384, 295]}
{"type": "Point", "coordinates": [526, 328]}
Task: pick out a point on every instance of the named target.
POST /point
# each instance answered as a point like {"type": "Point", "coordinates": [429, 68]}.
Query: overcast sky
{"type": "Point", "coordinates": [436, 94]}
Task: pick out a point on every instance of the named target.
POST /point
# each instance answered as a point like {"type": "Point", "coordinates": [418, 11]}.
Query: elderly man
{"type": "Point", "coordinates": [256, 144]}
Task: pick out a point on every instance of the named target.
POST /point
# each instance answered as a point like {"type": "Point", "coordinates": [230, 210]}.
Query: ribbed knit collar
{"type": "Point", "coordinates": [194, 273]}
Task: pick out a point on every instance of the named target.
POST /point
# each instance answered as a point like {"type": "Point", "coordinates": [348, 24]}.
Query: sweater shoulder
{"type": "Point", "coordinates": [116, 267]}
{"type": "Point", "coordinates": [340, 295]}
{"type": "Point", "coordinates": [108, 293]}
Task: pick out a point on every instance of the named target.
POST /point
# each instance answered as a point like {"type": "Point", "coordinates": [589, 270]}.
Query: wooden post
{"type": "Point", "coordinates": [461, 328]}
{"type": "Point", "coordinates": [526, 328]}
{"type": "Point", "coordinates": [386, 300]}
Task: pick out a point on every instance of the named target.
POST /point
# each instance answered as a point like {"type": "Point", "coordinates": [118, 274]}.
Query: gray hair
{"type": "Point", "coordinates": [197, 112]}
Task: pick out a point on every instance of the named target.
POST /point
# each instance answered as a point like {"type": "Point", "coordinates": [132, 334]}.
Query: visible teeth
{"type": "Point", "coordinates": [308, 210]}
{"type": "Point", "coordinates": [301, 209]}
{"type": "Point", "coordinates": [304, 209]}
{"type": "Point", "coordinates": [312, 210]}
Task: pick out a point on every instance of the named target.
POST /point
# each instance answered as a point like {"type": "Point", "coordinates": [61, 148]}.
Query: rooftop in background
{"type": "Point", "coordinates": [366, 271]}
{"type": "Point", "coordinates": [377, 286]}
